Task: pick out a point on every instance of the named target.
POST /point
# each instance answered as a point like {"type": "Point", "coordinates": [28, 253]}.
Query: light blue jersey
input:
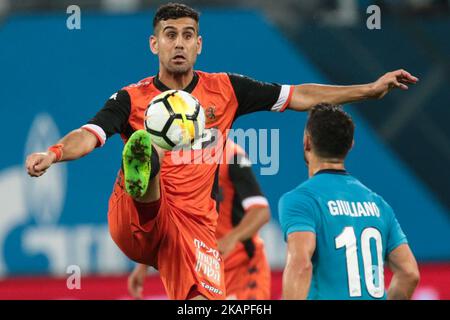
{"type": "Point", "coordinates": [355, 231]}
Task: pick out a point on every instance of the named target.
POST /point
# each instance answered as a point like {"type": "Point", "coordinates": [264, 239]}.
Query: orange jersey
{"type": "Point", "coordinates": [190, 185]}
{"type": "Point", "coordinates": [223, 97]}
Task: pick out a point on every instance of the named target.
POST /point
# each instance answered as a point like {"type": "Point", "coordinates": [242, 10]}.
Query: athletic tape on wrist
{"type": "Point", "coordinates": [57, 150]}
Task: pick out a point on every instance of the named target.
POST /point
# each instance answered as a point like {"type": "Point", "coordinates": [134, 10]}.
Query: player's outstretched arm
{"type": "Point", "coordinates": [298, 271]}
{"type": "Point", "coordinates": [306, 96]}
{"type": "Point", "coordinates": [73, 146]}
{"type": "Point", "coordinates": [405, 273]}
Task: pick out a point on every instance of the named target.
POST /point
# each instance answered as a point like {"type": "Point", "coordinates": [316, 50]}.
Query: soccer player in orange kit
{"type": "Point", "coordinates": [243, 210]}
{"type": "Point", "coordinates": [169, 221]}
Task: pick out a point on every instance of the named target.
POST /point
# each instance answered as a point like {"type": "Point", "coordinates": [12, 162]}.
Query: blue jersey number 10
{"type": "Point", "coordinates": [347, 239]}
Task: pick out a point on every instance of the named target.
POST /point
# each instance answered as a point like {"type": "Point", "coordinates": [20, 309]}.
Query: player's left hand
{"type": "Point", "coordinates": [395, 79]}
{"type": "Point", "coordinates": [227, 244]}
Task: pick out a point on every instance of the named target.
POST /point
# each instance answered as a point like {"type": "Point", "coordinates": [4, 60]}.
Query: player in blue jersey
{"type": "Point", "coordinates": [339, 233]}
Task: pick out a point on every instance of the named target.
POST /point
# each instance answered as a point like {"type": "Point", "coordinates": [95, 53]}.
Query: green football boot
{"type": "Point", "coordinates": [136, 157]}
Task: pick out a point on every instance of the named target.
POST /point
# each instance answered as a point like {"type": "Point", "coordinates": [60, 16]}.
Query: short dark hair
{"type": "Point", "coordinates": [331, 130]}
{"type": "Point", "coordinates": [175, 11]}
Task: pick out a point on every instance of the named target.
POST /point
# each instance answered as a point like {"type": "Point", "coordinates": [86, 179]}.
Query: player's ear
{"type": "Point", "coordinates": [306, 142]}
{"type": "Point", "coordinates": [199, 44]}
{"type": "Point", "coordinates": [353, 143]}
{"type": "Point", "coordinates": [153, 41]}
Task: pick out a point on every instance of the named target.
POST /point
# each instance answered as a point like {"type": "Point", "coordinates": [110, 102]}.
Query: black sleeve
{"type": "Point", "coordinates": [113, 117]}
{"type": "Point", "coordinates": [243, 178]}
{"type": "Point", "coordinates": [253, 95]}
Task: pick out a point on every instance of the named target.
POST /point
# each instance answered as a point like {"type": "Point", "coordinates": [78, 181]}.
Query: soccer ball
{"type": "Point", "coordinates": [174, 118]}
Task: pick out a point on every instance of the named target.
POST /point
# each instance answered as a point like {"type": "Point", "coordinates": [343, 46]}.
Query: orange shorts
{"type": "Point", "coordinates": [249, 279]}
{"type": "Point", "coordinates": [159, 235]}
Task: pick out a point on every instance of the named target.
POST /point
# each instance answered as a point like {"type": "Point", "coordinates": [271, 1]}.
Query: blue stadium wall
{"type": "Point", "coordinates": [53, 80]}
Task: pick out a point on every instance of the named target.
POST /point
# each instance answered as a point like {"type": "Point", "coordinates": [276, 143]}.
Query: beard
{"type": "Point", "coordinates": [178, 69]}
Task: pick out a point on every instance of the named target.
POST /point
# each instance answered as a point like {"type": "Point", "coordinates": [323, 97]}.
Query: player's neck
{"type": "Point", "coordinates": [317, 165]}
{"type": "Point", "coordinates": [175, 81]}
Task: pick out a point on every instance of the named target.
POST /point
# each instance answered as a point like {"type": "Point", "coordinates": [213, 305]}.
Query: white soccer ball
{"type": "Point", "coordinates": [174, 118]}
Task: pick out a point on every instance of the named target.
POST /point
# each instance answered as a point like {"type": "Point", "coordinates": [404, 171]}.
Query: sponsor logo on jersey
{"type": "Point", "coordinates": [211, 288]}
{"type": "Point", "coordinates": [210, 113]}
{"type": "Point", "coordinates": [208, 262]}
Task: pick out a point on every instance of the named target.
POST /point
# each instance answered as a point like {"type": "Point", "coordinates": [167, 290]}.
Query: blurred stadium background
{"type": "Point", "coordinates": [53, 79]}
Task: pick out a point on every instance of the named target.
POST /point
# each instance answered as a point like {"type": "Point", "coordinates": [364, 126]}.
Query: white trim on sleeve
{"type": "Point", "coordinates": [98, 131]}
{"type": "Point", "coordinates": [255, 200]}
{"type": "Point", "coordinates": [282, 98]}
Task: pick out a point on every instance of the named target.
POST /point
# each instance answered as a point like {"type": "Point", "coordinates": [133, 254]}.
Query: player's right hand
{"type": "Point", "coordinates": [38, 163]}
{"type": "Point", "coordinates": [136, 281]}
{"type": "Point", "coordinates": [395, 79]}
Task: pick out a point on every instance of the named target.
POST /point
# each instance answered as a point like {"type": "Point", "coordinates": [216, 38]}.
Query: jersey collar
{"type": "Point", "coordinates": [162, 87]}
{"type": "Point", "coordinates": [332, 171]}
